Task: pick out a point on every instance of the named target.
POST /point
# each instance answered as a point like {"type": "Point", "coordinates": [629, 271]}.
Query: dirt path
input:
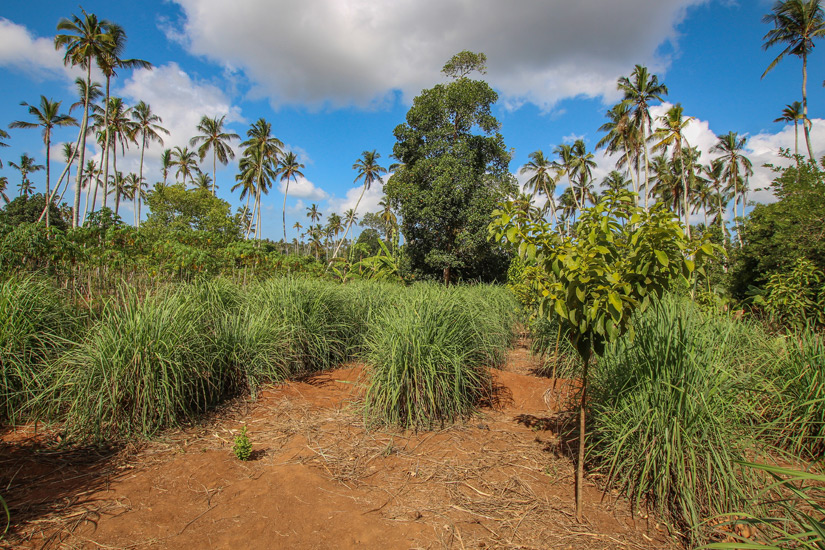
{"type": "Point", "coordinates": [319, 479]}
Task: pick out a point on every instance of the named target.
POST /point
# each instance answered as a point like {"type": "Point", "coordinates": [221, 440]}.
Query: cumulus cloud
{"type": "Point", "coordinates": [303, 188]}
{"type": "Point", "coordinates": [369, 203]}
{"type": "Point", "coordinates": [333, 53]}
{"type": "Point", "coordinates": [35, 56]}
{"type": "Point", "coordinates": [180, 100]}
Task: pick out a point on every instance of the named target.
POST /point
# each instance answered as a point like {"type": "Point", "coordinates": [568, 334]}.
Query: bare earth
{"type": "Point", "coordinates": [319, 479]}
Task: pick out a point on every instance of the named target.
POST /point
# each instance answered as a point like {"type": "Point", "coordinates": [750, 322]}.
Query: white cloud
{"type": "Point", "coordinates": [302, 188]}
{"type": "Point", "coordinates": [332, 53]}
{"type": "Point", "coordinates": [180, 101]}
{"type": "Point", "coordinates": [36, 56]}
{"type": "Point", "coordinates": [369, 203]}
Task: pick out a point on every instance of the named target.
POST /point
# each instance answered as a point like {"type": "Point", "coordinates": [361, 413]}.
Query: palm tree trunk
{"type": "Point", "coordinates": [647, 165]}
{"type": "Point", "coordinates": [140, 181]}
{"type": "Point", "coordinates": [48, 196]}
{"type": "Point", "coordinates": [106, 147]}
{"type": "Point", "coordinates": [805, 106]}
{"type": "Point", "coordinates": [355, 210]}
{"type": "Point", "coordinates": [796, 139]}
{"type": "Point", "coordinates": [76, 216]}
{"type": "Point", "coordinates": [117, 185]}
{"type": "Point", "coordinates": [214, 181]}
{"type": "Point", "coordinates": [283, 210]}
{"type": "Point", "coordinates": [630, 169]}
{"type": "Point", "coordinates": [685, 201]}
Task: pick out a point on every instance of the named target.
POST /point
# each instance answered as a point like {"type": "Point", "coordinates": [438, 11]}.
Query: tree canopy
{"type": "Point", "coordinates": [454, 169]}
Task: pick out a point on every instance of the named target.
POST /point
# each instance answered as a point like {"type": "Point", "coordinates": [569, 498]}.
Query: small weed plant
{"type": "Point", "coordinates": [242, 447]}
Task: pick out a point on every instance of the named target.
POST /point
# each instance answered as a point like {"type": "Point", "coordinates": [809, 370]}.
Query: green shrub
{"type": "Point", "coordinates": [35, 323]}
{"type": "Point", "coordinates": [143, 366]}
{"type": "Point", "coordinates": [429, 354]}
{"type": "Point", "coordinates": [672, 416]}
{"type": "Point", "coordinates": [320, 318]}
{"type": "Point", "coordinates": [797, 417]}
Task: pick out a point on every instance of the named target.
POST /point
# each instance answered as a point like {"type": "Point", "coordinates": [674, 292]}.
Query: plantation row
{"type": "Point", "coordinates": [674, 412]}
{"type": "Point", "coordinates": [137, 365]}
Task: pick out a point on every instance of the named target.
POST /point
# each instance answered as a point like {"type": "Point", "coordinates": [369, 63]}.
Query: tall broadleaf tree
{"type": "Point", "coordinates": [149, 126]}
{"type": "Point", "coordinates": [214, 136]}
{"type": "Point", "coordinates": [288, 168]}
{"type": "Point", "coordinates": [797, 23]}
{"type": "Point", "coordinates": [47, 116]}
{"type": "Point", "coordinates": [640, 90]}
{"type": "Point", "coordinates": [370, 171]}
{"type": "Point", "coordinates": [85, 40]}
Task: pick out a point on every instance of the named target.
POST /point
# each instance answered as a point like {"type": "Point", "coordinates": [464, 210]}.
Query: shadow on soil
{"type": "Point", "coordinates": [51, 485]}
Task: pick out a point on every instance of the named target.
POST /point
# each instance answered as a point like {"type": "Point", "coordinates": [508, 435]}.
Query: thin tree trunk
{"type": "Point", "coordinates": [214, 173]}
{"type": "Point", "coordinates": [283, 210]}
{"type": "Point", "coordinates": [630, 170]}
{"type": "Point", "coordinates": [684, 194]}
{"type": "Point", "coordinates": [140, 181]}
{"type": "Point", "coordinates": [117, 185]}
{"type": "Point", "coordinates": [805, 106]}
{"type": "Point", "coordinates": [582, 432]}
{"type": "Point", "coordinates": [76, 217]}
{"type": "Point", "coordinates": [647, 165]}
{"type": "Point", "coordinates": [106, 147]}
{"type": "Point", "coordinates": [361, 196]}
{"type": "Point", "coordinates": [48, 195]}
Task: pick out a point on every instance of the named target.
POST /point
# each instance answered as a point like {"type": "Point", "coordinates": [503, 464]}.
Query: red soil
{"type": "Point", "coordinates": [319, 479]}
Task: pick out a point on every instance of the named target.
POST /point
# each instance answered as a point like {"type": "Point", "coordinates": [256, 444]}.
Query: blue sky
{"type": "Point", "coordinates": [334, 77]}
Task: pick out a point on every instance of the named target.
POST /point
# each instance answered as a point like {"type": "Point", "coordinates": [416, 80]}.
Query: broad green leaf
{"type": "Point", "coordinates": [662, 257]}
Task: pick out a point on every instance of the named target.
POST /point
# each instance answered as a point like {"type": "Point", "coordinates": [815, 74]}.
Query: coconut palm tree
{"type": "Point", "coordinates": [118, 188]}
{"type": "Point", "coordinates": [615, 181]}
{"type": "Point", "coordinates": [793, 113]}
{"type": "Point", "coordinates": [134, 189]}
{"type": "Point", "coordinates": [288, 168]}
{"type": "Point", "coordinates": [4, 184]}
{"type": "Point", "coordinates": [714, 173]}
{"type": "Point", "coordinates": [26, 167]}
{"type": "Point", "coordinates": [737, 168]}
{"type": "Point", "coordinates": [108, 62]}
{"type": "Point", "coordinates": [313, 213]}
{"type": "Point", "coordinates": [564, 167]}
{"type": "Point", "coordinates": [120, 130]}
{"type": "Point", "coordinates": [257, 174]}
{"type": "Point", "coordinates": [3, 135]}
{"type": "Point", "coordinates": [671, 134]}
{"type": "Point", "coordinates": [203, 181]}
{"type": "Point", "coordinates": [370, 171]}
{"type": "Point", "coordinates": [297, 227]}
{"type": "Point", "coordinates": [541, 179]}
{"type": "Point", "coordinates": [640, 90]}
{"type": "Point", "coordinates": [334, 227]}
{"type": "Point", "coordinates": [262, 153]}
{"type": "Point", "coordinates": [91, 182]}
{"type": "Point", "coordinates": [796, 24]}
{"type": "Point", "coordinates": [85, 40]}
{"type": "Point", "coordinates": [186, 162]}
{"type": "Point", "coordinates": [621, 135]}
{"type": "Point", "coordinates": [213, 136]}
{"type": "Point", "coordinates": [149, 126]}
{"type": "Point", "coordinates": [166, 163]}
{"type": "Point", "coordinates": [568, 205]}
{"type": "Point", "coordinates": [582, 169]}
{"type": "Point", "coordinates": [47, 117]}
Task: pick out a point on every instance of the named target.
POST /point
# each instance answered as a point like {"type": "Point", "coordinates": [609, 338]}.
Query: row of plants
{"type": "Point", "coordinates": [140, 363]}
